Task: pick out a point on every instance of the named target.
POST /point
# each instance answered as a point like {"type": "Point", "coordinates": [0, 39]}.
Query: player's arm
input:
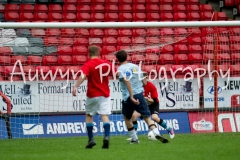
{"type": "Point", "coordinates": [79, 82]}
{"type": "Point", "coordinates": [129, 87]}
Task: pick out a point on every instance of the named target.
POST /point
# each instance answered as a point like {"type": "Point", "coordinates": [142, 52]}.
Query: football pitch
{"type": "Point", "coordinates": [214, 146]}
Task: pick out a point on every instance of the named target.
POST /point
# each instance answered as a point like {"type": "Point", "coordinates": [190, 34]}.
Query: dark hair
{"type": "Point", "coordinates": [121, 56]}
{"type": "Point", "coordinates": [93, 51]}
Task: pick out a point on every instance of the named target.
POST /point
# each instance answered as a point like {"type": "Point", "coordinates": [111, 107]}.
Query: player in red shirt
{"type": "Point", "coordinates": [98, 94]}
{"type": "Point", "coordinates": [151, 96]}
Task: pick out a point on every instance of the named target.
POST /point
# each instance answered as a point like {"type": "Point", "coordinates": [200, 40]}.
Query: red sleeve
{"type": "Point", "coordinates": [85, 69]}
{"type": "Point", "coordinates": [153, 90]}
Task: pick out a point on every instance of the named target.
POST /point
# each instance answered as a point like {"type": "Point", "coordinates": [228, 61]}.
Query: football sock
{"type": "Point", "coordinates": [135, 125]}
{"type": "Point", "coordinates": [164, 124]}
{"type": "Point", "coordinates": [132, 134]}
{"type": "Point", "coordinates": [106, 126]}
{"type": "Point", "coordinates": [155, 131]}
{"type": "Point", "coordinates": [90, 130]}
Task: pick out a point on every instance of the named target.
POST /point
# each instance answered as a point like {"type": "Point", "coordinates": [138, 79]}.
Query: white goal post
{"type": "Point", "coordinates": [119, 24]}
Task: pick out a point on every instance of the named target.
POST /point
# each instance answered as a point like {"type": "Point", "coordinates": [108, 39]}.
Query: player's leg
{"type": "Point", "coordinates": [90, 111]}
{"type": "Point", "coordinates": [135, 116]}
{"type": "Point", "coordinates": [127, 111]}
{"type": "Point", "coordinates": [154, 108]}
{"type": "Point", "coordinates": [143, 109]}
{"type": "Point", "coordinates": [105, 110]}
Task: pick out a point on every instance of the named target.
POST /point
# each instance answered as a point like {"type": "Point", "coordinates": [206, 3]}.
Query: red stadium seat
{"type": "Point", "coordinates": [166, 59]}
{"type": "Point", "coordinates": [206, 16]}
{"type": "Point", "coordinates": [74, 69]}
{"type": "Point", "coordinates": [95, 41]}
{"type": "Point", "coordinates": [234, 39]}
{"type": "Point", "coordinates": [68, 32]}
{"type": "Point", "coordinates": [166, 68]}
{"type": "Point", "coordinates": [111, 8]}
{"type": "Point", "coordinates": [55, 16]}
{"type": "Point", "coordinates": [83, 32]}
{"type": "Point", "coordinates": [138, 32]}
{"type": "Point", "coordinates": [82, 50]}
{"type": "Point", "coordinates": [153, 32]}
{"type": "Point", "coordinates": [153, 17]}
{"type": "Point", "coordinates": [191, 68]}
{"type": "Point", "coordinates": [9, 69]}
{"type": "Point", "coordinates": [152, 40]}
{"type": "Point", "coordinates": [38, 32]}
{"type": "Point", "coordinates": [109, 57]}
{"type": "Point", "coordinates": [53, 32]}
{"type": "Point", "coordinates": [195, 48]}
{"type": "Point", "coordinates": [109, 41]}
{"type": "Point", "coordinates": [83, 17]}
{"type": "Point", "coordinates": [125, 1]}
{"type": "Point", "coordinates": [221, 16]}
{"type": "Point", "coordinates": [196, 2]}
{"type": "Point", "coordinates": [179, 8]}
{"type": "Point", "coordinates": [193, 8]}
{"type": "Point", "coordinates": [181, 39]}
{"type": "Point", "coordinates": [167, 49]}
{"type": "Point", "coordinates": [65, 59]}
{"type": "Point", "coordinates": [97, 8]}
{"type": "Point", "coordinates": [234, 30]}
{"type": "Point", "coordinates": [139, 17]}
{"type": "Point", "coordinates": [110, 32]}
{"type": "Point", "coordinates": [81, 41]}
{"type": "Point", "coordinates": [22, 59]}
{"type": "Point", "coordinates": [222, 48]}
{"type": "Point", "coordinates": [55, 8]}
{"type": "Point", "coordinates": [222, 39]}
{"type": "Point", "coordinates": [125, 17]}
{"type": "Point", "coordinates": [167, 32]}
{"type": "Point", "coordinates": [83, 8]}
{"type": "Point", "coordinates": [224, 57]}
{"type": "Point", "coordinates": [195, 31]}
{"type": "Point", "coordinates": [195, 57]}
{"type": "Point", "coordinates": [29, 70]}
{"type": "Point", "coordinates": [235, 48]}
{"type": "Point", "coordinates": [26, 8]}
{"type": "Point", "coordinates": [49, 60]}
{"type": "Point", "coordinates": [97, 17]}
{"type": "Point", "coordinates": [153, 8]}
{"type": "Point", "coordinates": [179, 1]}
{"type": "Point", "coordinates": [5, 60]}
{"type": "Point", "coordinates": [205, 7]}
{"type": "Point", "coordinates": [137, 58]}
{"type": "Point", "coordinates": [43, 69]}
{"type": "Point", "coordinates": [193, 16]}
{"type": "Point", "coordinates": [139, 8]}
{"type": "Point", "coordinates": [125, 32]}
{"type": "Point", "coordinates": [2, 8]}
{"type": "Point", "coordinates": [207, 57]}
{"type": "Point", "coordinates": [12, 16]}
{"type": "Point", "coordinates": [235, 69]}
{"type": "Point", "coordinates": [111, 17]}
{"type": "Point", "coordinates": [208, 48]}
{"type": "Point", "coordinates": [5, 51]}
{"type": "Point", "coordinates": [179, 16]}
{"type": "Point", "coordinates": [181, 58]}
{"type": "Point", "coordinates": [180, 31]}
{"type": "Point", "coordinates": [34, 60]}
{"type": "Point", "coordinates": [65, 41]}
{"type": "Point", "coordinates": [65, 50]}
{"type": "Point", "coordinates": [84, 1]}
{"type": "Point", "coordinates": [96, 32]}
{"type": "Point", "coordinates": [149, 68]}
{"type": "Point", "coordinates": [69, 8]}
{"type": "Point", "coordinates": [12, 7]}
{"type": "Point", "coordinates": [235, 57]}
{"type": "Point", "coordinates": [207, 40]}
{"type": "Point", "coordinates": [108, 49]}
{"type": "Point", "coordinates": [223, 68]}
{"type": "Point", "coordinates": [126, 48]}
{"type": "Point", "coordinates": [26, 16]}
{"type": "Point", "coordinates": [41, 8]}
{"type": "Point", "coordinates": [111, 1]}
{"type": "Point", "coordinates": [138, 40]}
{"type": "Point", "coordinates": [124, 8]}
{"type": "Point", "coordinates": [180, 48]}
{"type": "Point", "coordinates": [124, 41]}
{"type": "Point", "coordinates": [69, 17]}
{"type": "Point", "coordinates": [79, 59]}
{"type": "Point", "coordinates": [176, 67]}
{"type": "Point", "coordinates": [166, 17]}
{"type": "Point", "coordinates": [166, 8]}
{"type": "Point", "coordinates": [152, 58]}
{"type": "Point", "coordinates": [41, 16]}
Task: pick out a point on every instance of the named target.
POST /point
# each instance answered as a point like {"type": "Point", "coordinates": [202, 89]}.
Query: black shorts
{"type": "Point", "coordinates": [128, 107]}
{"type": "Point", "coordinates": [154, 108]}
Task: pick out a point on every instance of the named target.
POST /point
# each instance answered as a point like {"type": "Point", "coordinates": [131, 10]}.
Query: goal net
{"type": "Point", "coordinates": [40, 66]}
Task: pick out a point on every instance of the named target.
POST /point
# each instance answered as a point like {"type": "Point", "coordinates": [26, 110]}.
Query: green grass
{"type": "Point", "coordinates": [217, 146]}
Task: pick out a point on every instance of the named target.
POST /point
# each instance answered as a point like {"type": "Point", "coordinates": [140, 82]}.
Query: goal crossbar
{"type": "Point", "coordinates": [119, 24]}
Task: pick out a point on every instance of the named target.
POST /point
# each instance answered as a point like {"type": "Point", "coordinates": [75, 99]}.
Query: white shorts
{"type": "Point", "coordinates": [100, 105]}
